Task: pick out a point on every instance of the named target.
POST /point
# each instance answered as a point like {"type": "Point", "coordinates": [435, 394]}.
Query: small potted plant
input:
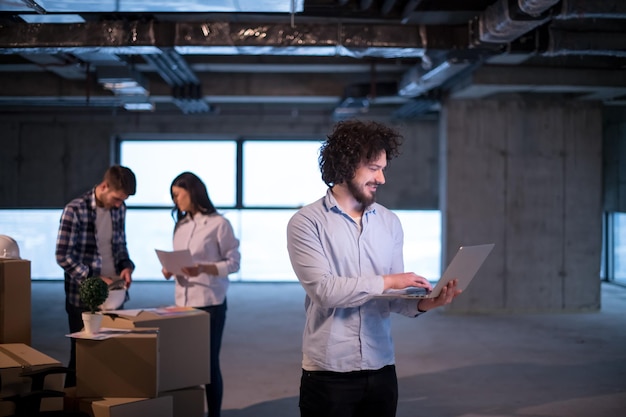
{"type": "Point", "coordinates": [93, 291]}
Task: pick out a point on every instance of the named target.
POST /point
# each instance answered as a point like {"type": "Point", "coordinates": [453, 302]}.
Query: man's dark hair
{"type": "Point", "coordinates": [120, 178]}
{"type": "Point", "coordinates": [351, 142]}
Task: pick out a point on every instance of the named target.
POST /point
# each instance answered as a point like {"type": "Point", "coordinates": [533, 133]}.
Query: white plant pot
{"type": "Point", "coordinates": [92, 322]}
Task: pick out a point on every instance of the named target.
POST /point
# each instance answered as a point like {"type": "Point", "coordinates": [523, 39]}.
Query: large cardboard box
{"type": "Point", "coordinates": [183, 342]}
{"type": "Point", "coordinates": [15, 307]}
{"type": "Point", "coordinates": [16, 358]}
{"type": "Point", "coordinates": [123, 365]}
{"type": "Point", "coordinates": [187, 402]}
{"type": "Point", "coordinates": [128, 407]}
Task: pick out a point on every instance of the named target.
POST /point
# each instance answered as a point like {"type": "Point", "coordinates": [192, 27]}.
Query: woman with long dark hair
{"type": "Point", "coordinates": [214, 249]}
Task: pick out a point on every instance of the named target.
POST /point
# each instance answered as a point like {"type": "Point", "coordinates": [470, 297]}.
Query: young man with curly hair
{"type": "Point", "coordinates": [345, 249]}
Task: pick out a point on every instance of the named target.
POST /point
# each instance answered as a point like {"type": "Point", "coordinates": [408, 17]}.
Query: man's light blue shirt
{"type": "Point", "coordinates": [341, 268]}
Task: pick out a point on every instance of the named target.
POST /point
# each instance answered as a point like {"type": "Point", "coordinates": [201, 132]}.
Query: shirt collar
{"type": "Point", "coordinates": [331, 203]}
{"type": "Point", "coordinates": [91, 199]}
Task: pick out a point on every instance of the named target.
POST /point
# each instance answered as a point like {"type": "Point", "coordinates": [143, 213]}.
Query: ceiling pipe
{"type": "Point", "coordinates": [409, 8]}
{"type": "Point", "coordinates": [504, 21]}
{"type": "Point", "coordinates": [416, 82]}
{"type": "Point", "coordinates": [35, 6]}
{"type": "Point", "coordinates": [535, 7]}
{"type": "Point", "coordinates": [562, 42]}
{"type": "Point", "coordinates": [592, 9]}
{"type": "Point", "coordinates": [365, 4]}
{"type": "Point", "coordinates": [387, 6]}
{"type": "Point", "coordinates": [186, 87]}
{"type": "Point", "coordinates": [219, 38]}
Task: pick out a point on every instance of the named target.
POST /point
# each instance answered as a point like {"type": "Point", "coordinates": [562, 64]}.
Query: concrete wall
{"type": "Point", "coordinates": [527, 176]}
{"type": "Point", "coordinates": [48, 160]}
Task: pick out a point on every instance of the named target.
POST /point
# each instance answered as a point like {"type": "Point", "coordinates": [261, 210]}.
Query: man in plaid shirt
{"type": "Point", "coordinates": [92, 242]}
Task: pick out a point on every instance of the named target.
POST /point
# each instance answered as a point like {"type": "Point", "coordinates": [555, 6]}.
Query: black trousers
{"type": "Point", "coordinates": [215, 390]}
{"type": "Point", "coordinates": [349, 394]}
{"type": "Point", "coordinates": [75, 321]}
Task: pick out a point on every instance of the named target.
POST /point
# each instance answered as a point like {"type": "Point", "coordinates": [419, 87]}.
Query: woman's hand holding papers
{"type": "Point", "coordinates": [192, 271]}
{"type": "Point", "coordinates": [167, 274]}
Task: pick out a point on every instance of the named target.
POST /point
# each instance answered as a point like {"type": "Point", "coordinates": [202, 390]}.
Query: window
{"type": "Point", "coordinates": [35, 231]}
{"type": "Point", "coordinates": [270, 168]}
{"type": "Point", "coordinates": [614, 248]}
{"type": "Point", "coordinates": [157, 163]}
{"type": "Point", "coordinates": [272, 187]}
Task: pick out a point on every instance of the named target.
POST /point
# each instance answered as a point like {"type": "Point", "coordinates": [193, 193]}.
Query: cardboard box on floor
{"type": "Point", "coordinates": [128, 407]}
{"type": "Point", "coordinates": [15, 306]}
{"type": "Point", "coordinates": [183, 342]}
{"type": "Point", "coordinates": [18, 357]}
{"type": "Point", "coordinates": [187, 402]}
{"type": "Point", "coordinates": [124, 365]}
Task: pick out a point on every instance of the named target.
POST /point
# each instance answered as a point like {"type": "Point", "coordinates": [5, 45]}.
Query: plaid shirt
{"type": "Point", "coordinates": [77, 249]}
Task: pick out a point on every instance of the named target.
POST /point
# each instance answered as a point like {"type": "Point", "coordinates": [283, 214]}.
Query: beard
{"type": "Point", "coordinates": [360, 195]}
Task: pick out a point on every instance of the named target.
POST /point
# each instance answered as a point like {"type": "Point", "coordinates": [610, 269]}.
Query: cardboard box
{"type": "Point", "coordinates": [187, 402]}
{"type": "Point", "coordinates": [124, 365]}
{"type": "Point", "coordinates": [183, 342]}
{"type": "Point", "coordinates": [15, 306]}
{"type": "Point", "coordinates": [18, 357]}
{"type": "Point", "coordinates": [128, 407]}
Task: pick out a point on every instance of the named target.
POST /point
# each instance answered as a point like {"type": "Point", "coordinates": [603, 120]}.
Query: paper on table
{"type": "Point", "coordinates": [175, 261]}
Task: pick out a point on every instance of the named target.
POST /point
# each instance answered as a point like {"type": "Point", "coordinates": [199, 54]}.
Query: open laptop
{"type": "Point", "coordinates": [463, 267]}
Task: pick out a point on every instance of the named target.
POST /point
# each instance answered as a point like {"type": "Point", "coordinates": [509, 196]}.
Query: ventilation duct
{"type": "Point", "coordinates": [505, 20]}
{"type": "Point", "coordinates": [220, 38]}
{"type": "Point", "coordinates": [122, 81]}
{"type": "Point", "coordinates": [186, 88]}
{"type": "Point", "coordinates": [563, 42]}
{"type": "Point", "coordinates": [535, 7]}
{"type": "Point", "coordinates": [128, 85]}
{"type": "Point", "coordinates": [189, 99]}
{"type": "Point", "coordinates": [350, 107]}
{"type": "Point", "coordinates": [358, 98]}
{"type": "Point", "coordinates": [417, 81]}
{"type": "Point", "coordinates": [417, 107]}
{"type": "Point", "coordinates": [592, 9]}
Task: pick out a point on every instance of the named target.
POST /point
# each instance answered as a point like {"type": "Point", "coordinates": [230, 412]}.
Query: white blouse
{"type": "Point", "coordinates": [211, 240]}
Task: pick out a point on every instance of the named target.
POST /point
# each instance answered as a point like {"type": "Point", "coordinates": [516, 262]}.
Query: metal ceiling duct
{"type": "Point", "coordinates": [417, 81]}
{"type": "Point", "coordinates": [122, 81]}
{"type": "Point", "coordinates": [535, 7]}
{"type": "Point", "coordinates": [505, 20]}
{"type": "Point", "coordinates": [357, 98]}
{"type": "Point", "coordinates": [128, 85]}
{"type": "Point", "coordinates": [152, 6]}
{"type": "Point", "coordinates": [217, 38]}
{"type": "Point", "coordinates": [562, 42]}
{"type": "Point", "coordinates": [592, 9]}
{"type": "Point", "coordinates": [186, 88]}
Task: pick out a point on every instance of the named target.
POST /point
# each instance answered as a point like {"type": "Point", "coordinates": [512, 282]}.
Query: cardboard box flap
{"type": "Point", "coordinates": [21, 355]}
{"type": "Point", "coordinates": [145, 316]}
{"type": "Point", "coordinates": [133, 407]}
{"type": "Point", "coordinates": [15, 358]}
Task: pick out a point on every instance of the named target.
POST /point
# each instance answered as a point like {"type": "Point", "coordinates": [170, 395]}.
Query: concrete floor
{"type": "Point", "coordinates": [542, 365]}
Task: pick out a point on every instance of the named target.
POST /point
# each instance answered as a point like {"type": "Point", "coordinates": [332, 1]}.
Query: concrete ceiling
{"type": "Point", "coordinates": [390, 57]}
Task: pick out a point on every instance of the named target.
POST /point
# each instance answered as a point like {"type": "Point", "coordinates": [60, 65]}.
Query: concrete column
{"type": "Point", "coordinates": [526, 175]}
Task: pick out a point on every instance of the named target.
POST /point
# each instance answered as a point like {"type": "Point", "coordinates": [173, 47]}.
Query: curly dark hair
{"type": "Point", "coordinates": [351, 142]}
